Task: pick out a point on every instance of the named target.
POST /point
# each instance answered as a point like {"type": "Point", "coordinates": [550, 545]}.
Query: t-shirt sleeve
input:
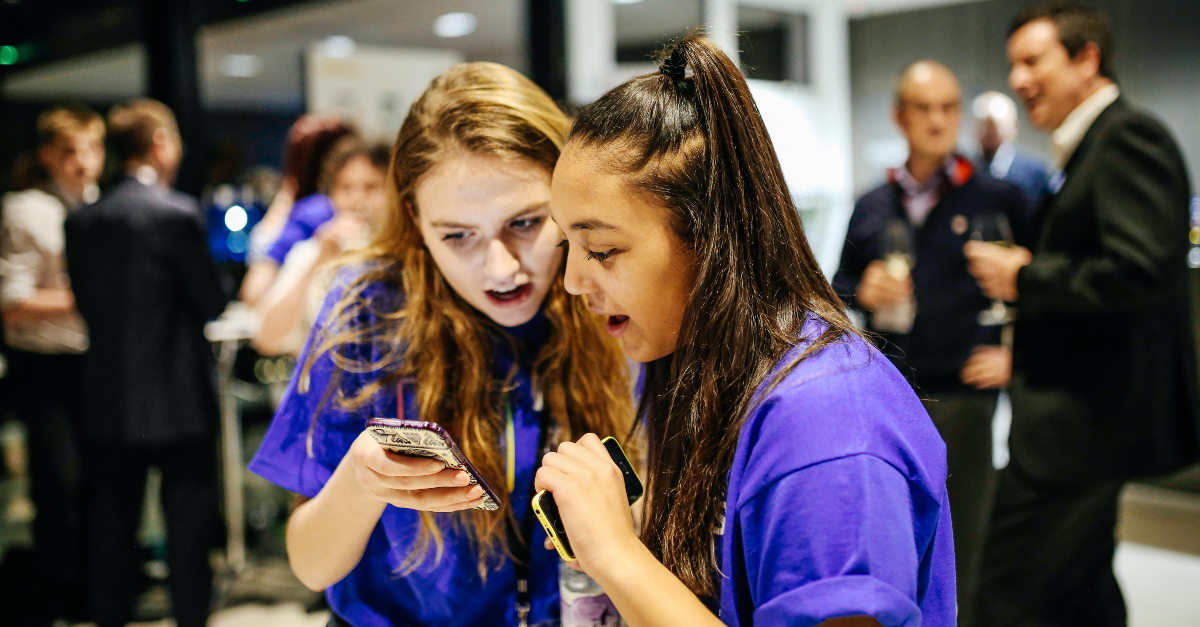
{"type": "Point", "coordinates": [832, 539]}
{"type": "Point", "coordinates": [310, 433]}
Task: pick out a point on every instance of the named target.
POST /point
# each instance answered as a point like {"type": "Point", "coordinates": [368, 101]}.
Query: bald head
{"type": "Point", "coordinates": [922, 76]}
{"type": "Point", "coordinates": [928, 109]}
{"type": "Point", "coordinates": [995, 121]}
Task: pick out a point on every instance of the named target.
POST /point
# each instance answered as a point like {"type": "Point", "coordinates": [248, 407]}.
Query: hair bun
{"type": "Point", "coordinates": [674, 66]}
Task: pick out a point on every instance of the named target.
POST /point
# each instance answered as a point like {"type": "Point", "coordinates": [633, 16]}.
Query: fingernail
{"type": "Point", "coordinates": [462, 478]}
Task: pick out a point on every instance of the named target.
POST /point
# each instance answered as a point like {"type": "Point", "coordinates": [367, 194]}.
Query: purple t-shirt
{"type": "Point", "coordinates": [376, 593]}
{"type": "Point", "coordinates": [837, 504]}
{"type": "Point", "coordinates": [308, 214]}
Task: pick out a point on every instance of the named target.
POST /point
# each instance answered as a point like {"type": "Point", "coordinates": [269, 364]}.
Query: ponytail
{"type": "Point", "coordinates": [695, 144]}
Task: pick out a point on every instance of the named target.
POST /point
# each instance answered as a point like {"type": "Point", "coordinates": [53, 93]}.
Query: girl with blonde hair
{"type": "Point", "coordinates": [455, 315]}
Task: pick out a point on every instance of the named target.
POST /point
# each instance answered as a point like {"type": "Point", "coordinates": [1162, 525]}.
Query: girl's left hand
{"type": "Point", "coordinates": [590, 492]}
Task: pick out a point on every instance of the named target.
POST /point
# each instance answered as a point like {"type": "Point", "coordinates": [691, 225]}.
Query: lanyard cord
{"type": "Point", "coordinates": [520, 543]}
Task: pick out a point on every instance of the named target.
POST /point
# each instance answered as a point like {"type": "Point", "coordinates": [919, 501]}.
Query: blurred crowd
{"type": "Point", "coordinates": [1060, 283]}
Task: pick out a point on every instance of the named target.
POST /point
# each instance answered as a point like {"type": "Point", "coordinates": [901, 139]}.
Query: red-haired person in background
{"type": "Point", "coordinates": [298, 208]}
{"type": "Point", "coordinates": [47, 338]}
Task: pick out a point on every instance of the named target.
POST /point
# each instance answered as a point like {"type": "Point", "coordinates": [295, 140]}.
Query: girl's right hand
{"type": "Point", "coordinates": [411, 482]}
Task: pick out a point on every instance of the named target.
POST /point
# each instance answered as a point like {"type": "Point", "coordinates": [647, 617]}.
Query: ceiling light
{"type": "Point", "coordinates": [454, 25]}
{"type": "Point", "coordinates": [241, 65]}
{"type": "Point", "coordinates": [624, 1]}
{"type": "Point", "coordinates": [338, 47]}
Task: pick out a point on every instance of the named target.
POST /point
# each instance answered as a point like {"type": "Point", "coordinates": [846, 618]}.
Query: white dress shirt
{"type": "Point", "coordinates": [1067, 136]}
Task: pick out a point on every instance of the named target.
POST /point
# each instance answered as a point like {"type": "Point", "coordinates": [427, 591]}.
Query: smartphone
{"type": "Point", "coordinates": [416, 438]}
{"type": "Point", "coordinates": [546, 509]}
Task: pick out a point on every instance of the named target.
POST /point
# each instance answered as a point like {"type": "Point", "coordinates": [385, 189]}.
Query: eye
{"type": "Point", "coordinates": [456, 236]}
{"type": "Point", "coordinates": [600, 255]}
{"type": "Point", "coordinates": [525, 224]}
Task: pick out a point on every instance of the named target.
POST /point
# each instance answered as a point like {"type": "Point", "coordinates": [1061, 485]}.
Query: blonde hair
{"type": "Point", "coordinates": [436, 338]}
{"type": "Point", "coordinates": [58, 122]}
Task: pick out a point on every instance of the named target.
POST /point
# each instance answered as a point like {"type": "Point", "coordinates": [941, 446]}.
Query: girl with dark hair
{"type": "Point", "coordinates": [795, 478]}
{"type": "Point", "coordinates": [456, 314]}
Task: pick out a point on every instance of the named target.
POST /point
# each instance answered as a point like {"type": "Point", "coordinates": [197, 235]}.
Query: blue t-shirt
{"type": "Point", "coordinates": [449, 592]}
{"type": "Point", "coordinates": [307, 215]}
{"type": "Point", "coordinates": [836, 503]}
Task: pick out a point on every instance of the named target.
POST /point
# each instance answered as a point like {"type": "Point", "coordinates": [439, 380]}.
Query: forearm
{"type": "Point", "coordinates": [649, 595]}
{"type": "Point", "coordinates": [45, 303]}
{"type": "Point", "coordinates": [326, 536]}
{"type": "Point", "coordinates": [258, 278]}
{"type": "Point", "coordinates": [279, 316]}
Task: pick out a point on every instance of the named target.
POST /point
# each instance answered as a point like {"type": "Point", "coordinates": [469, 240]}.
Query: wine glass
{"type": "Point", "coordinates": [993, 228]}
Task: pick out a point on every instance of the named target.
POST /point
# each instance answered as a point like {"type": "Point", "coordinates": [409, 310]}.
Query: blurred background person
{"type": "Point", "coordinates": [1104, 386]}
{"type": "Point", "coordinates": [903, 268]}
{"type": "Point", "coordinates": [996, 128]}
{"type": "Point", "coordinates": [47, 339]}
{"type": "Point", "coordinates": [309, 141]}
{"type": "Point", "coordinates": [353, 177]}
{"type": "Point", "coordinates": [146, 285]}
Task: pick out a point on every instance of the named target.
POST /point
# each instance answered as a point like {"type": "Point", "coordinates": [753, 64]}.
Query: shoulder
{"type": "Point", "coordinates": [1122, 123]}
{"type": "Point", "coordinates": [875, 198]}
{"type": "Point", "coordinates": [843, 400]}
{"type": "Point", "coordinates": [311, 210]}
{"type": "Point", "coordinates": [22, 206]}
{"type": "Point", "coordinates": [872, 208]}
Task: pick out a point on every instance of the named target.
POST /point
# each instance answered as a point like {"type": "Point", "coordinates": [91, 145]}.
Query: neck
{"type": "Point", "coordinates": [923, 167]}
{"type": "Point", "coordinates": [71, 193]}
{"type": "Point", "coordinates": [145, 171]}
{"type": "Point", "coordinates": [1090, 90]}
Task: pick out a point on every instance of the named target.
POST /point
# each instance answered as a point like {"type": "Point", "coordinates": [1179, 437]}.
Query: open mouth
{"type": "Point", "coordinates": [510, 296]}
{"type": "Point", "coordinates": [617, 325]}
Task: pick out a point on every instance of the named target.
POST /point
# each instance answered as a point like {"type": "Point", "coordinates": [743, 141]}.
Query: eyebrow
{"type": "Point", "coordinates": [449, 224]}
{"type": "Point", "coordinates": [593, 225]}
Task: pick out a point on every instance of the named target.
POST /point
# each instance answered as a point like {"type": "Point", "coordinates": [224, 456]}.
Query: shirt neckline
{"type": "Point", "coordinates": [1065, 139]}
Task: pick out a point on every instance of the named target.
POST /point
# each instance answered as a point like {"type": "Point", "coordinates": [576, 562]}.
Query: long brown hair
{"type": "Point", "coordinates": [697, 146]}
{"type": "Point", "coordinates": [439, 341]}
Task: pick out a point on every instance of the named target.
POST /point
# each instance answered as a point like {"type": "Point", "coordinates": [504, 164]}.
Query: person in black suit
{"type": "Point", "coordinates": [1104, 387]}
{"type": "Point", "coordinates": [145, 284]}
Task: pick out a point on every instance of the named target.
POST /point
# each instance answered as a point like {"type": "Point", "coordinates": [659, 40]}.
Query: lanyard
{"type": "Point", "coordinates": [520, 542]}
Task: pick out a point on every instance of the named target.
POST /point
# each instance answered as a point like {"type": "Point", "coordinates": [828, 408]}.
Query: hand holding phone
{"type": "Point", "coordinates": [545, 507]}
{"type": "Point", "coordinates": [410, 482]}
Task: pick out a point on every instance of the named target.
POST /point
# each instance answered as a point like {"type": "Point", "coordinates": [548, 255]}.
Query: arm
{"type": "Point", "coordinates": [1141, 219]}
{"type": "Point", "coordinates": [590, 495]}
{"type": "Point", "coordinates": [326, 536]}
{"type": "Point", "coordinates": [280, 308]}
{"type": "Point", "coordinates": [22, 302]}
{"type": "Point", "coordinates": [45, 303]}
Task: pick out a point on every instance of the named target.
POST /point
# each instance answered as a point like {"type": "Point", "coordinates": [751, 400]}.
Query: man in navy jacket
{"type": "Point", "coordinates": [145, 284]}
{"type": "Point", "coordinates": [903, 267]}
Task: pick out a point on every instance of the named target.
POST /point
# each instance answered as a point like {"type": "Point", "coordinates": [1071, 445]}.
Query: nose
{"type": "Point", "coordinates": [501, 265]}
{"type": "Point", "coordinates": [1017, 78]}
{"type": "Point", "coordinates": [575, 278]}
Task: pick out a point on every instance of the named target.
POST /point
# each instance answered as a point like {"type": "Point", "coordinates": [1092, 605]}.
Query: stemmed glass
{"type": "Point", "coordinates": [993, 228]}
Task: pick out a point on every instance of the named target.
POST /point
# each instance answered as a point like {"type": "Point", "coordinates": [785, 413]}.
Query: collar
{"type": "Point", "coordinates": [1002, 161]}
{"type": "Point", "coordinates": [956, 171]}
{"type": "Point", "coordinates": [1065, 139]}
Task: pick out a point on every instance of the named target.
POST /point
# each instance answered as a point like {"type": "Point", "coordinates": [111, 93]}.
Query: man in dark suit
{"type": "Point", "coordinates": [145, 284]}
{"type": "Point", "coordinates": [1104, 387]}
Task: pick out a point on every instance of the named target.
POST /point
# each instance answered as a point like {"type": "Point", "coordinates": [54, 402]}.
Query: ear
{"type": "Point", "coordinates": [1088, 60]}
{"type": "Point", "coordinates": [898, 115]}
{"type": "Point", "coordinates": [158, 143]}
